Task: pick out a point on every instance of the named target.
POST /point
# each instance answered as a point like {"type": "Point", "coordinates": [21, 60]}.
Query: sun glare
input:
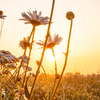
{"type": "Point", "coordinates": [49, 54]}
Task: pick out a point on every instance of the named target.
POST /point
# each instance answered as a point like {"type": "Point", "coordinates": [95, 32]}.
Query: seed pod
{"type": "Point", "coordinates": [70, 15]}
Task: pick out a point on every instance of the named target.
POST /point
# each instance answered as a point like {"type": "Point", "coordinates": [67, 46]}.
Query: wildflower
{"type": "Point", "coordinates": [7, 57]}
{"type": "Point", "coordinates": [24, 58]}
{"type": "Point", "coordinates": [20, 92]}
{"type": "Point", "coordinates": [1, 15]}
{"type": "Point", "coordinates": [24, 43]}
{"type": "Point", "coordinates": [33, 74]}
{"type": "Point", "coordinates": [6, 72]}
{"type": "Point", "coordinates": [34, 18]}
{"type": "Point", "coordinates": [11, 65]}
{"type": "Point", "coordinates": [70, 15]}
{"type": "Point", "coordinates": [28, 68]}
{"type": "Point", "coordinates": [51, 42]}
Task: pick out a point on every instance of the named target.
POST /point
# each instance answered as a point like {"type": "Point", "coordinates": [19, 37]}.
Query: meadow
{"type": "Point", "coordinates": [19, 82]}
{"type": "Point", "coordinates": [72, 87]}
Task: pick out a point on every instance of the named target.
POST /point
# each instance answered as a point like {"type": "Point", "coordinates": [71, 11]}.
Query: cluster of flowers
{"type": "Point", "coordinates": [9, 60]}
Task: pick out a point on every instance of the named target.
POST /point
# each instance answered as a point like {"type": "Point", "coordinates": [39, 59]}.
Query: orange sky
{"type": "Point", "coordinates": [85, 39]}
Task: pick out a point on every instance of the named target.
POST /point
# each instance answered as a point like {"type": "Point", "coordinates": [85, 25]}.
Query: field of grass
{"type": "Point", "coordinates": [72, 87]}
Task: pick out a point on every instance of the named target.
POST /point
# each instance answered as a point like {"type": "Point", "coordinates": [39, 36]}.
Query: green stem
{"type": "Point", "coordinates": [29, 55]}
{"type": "Point", "coordinates": [48, 33]}
{"type": "Point", "coordinates": [66, 58]}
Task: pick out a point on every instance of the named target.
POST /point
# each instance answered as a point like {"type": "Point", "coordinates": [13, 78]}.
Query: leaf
{"type": "Point", "coordinates": [26, 91]}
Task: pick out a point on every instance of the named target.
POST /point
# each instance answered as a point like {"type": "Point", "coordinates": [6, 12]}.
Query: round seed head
{"type": "Point", "coordinates": [70, 15]}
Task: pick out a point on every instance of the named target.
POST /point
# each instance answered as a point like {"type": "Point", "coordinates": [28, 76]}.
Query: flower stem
{"type": "Point", "coordinates": [2, 22]}
{"type": "Point", "coordinates": [29, 55]}
{"type": "Point", "coordinates": [66, 58]}
{"type": "Point", "coordinates": [18, 69]}
{"type": "Point", "coordinates": [25, 51]}
{"type": "Point", "coordinates": [55, 68]}
{"type": "Point", "coordinates": [48, 33]}
{"type": "Point", "coordinates": [44, 72]}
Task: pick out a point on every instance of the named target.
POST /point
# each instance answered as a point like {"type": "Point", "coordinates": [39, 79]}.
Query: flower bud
{"type": "Point", "coordinates": [70, 15]}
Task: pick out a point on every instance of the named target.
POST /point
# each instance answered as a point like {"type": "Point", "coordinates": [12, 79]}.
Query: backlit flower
{"type": "Point", "coordinates": [24, 43]}
{"type": "Point", "coordinates": [6, 57]}
{"type": "Point", "coordinates": [33, 74]}
{"type": "Point", "coordinates": [1, 15]}
{"type": "Point", "coordinates": [28, 68]}
{"type": "Point", "coordinates": [51, 42]}
{"type": "Point", "coordinates": [34, 18]}
{"type": "Point", "coordinates": [24, 58]}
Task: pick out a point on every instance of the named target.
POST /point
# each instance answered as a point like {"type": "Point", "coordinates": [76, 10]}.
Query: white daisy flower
{"type": "Point", "coordinates": [1, 15]}
{"type": "Point", "coordinates": [51, 42]}
{"type": "Point", "coordinates": [34, 18]}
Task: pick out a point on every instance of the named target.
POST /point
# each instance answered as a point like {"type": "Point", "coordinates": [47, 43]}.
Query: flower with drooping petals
{"type": "Point", "coordinates": [51, 42]}
{"type": "Point", "coordinates": [24, 43]}
{"type": "Point", "coordinates": [1, 15]}
{"type": "Point", "coordinates": [34, 18]}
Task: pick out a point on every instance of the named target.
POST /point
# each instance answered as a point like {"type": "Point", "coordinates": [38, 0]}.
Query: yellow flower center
{"type": "Point", "coordinates": [51, 45]}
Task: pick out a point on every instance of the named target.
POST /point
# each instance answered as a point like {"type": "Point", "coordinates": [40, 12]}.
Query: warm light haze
{"type": "Point", "coordinates": [84, 55]}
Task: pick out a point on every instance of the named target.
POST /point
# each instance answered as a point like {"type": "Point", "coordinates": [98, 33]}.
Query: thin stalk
{"type": "Point", "coordinates": [48, 33]}
{"type": "Point", "coordinates": [66, 58]}
{"type": "Point", "coordinates": [55, 62]}
{"type": "Point", "coordinates": [29, 55]}
{"type": "Point", "coordinates": [25, 51]}
{"type": "Point", "coordinates": [44, 72]}
{"type": "Point", "coordinates": [2, 22]}
{"type": "Point", "coordinates": [46, 82]}
{"type": "Point", "coordinates": [55, 68]}
{"type": "Point", "coordinates": [18, 69]}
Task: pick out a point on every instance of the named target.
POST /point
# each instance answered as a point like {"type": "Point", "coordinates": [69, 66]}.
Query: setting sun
{"type": "Point", "coordinates": [49, 54]}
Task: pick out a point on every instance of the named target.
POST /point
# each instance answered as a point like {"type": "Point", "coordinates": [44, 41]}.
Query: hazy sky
{"type": "Point", "coordinates": [85, 39]}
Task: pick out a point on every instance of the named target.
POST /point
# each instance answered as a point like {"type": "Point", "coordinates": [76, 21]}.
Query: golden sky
{"type": "Point", "coordinates": [85, 39]}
